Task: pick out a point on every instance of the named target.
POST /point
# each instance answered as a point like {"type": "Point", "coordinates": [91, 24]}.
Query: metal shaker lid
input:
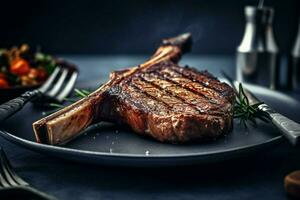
{"type": "Point", "coordinates": [296, 48]}
{"type": "Point", "coordinates": [262, 15]}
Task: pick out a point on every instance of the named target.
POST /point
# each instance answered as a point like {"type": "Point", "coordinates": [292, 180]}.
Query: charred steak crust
{"type": "Point", "coordinates": [174, 104]}
{"type": "Point", "coordinates": [157, 98]}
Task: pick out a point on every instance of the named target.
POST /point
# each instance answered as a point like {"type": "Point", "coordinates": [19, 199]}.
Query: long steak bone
{"type": "Point", "coordinates": [62, 126]}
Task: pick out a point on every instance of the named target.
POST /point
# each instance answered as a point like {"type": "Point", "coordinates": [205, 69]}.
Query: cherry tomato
{"type": "Point", "coordinates": [20, 67]}
{"type": "Point", "coordinates": [3, 83]}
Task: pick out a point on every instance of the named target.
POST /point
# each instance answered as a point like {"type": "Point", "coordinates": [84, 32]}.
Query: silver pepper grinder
{"type": "Point", "coordinates": [257, 55]}
{"type": "Point", "coordinates": [294, 64]}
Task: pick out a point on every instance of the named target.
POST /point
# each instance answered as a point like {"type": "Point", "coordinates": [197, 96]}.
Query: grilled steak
{"type": "Point", "coordinates": [158, 99]}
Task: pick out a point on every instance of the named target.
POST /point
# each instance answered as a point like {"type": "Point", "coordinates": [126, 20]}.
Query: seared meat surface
{"type": "Point", "coordinates": [158, 99]}
{"type": "Point", "coordinates": [173, 104]}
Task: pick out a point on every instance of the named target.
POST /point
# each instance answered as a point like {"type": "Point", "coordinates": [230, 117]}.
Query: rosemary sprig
{"type": "Point", "coordinates": [81, 92]}
{"type": "Point", "coordinates": [78, 93]}
{"type": "Point", "coordinates": [246, 112]}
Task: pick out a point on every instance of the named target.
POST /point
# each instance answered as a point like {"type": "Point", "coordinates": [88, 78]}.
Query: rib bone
{"type": "Point", "coordinates": [62, 126]}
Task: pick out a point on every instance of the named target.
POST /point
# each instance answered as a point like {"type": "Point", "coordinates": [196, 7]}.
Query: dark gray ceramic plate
{"type": "Point", "coordinates": [109, 144]}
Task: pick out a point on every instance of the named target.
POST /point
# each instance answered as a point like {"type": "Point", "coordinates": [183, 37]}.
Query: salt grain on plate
{"type": "Point", "coordinates": [147, 153]}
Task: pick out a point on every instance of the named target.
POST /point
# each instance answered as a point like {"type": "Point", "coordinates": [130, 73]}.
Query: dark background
{"type": "Point", "coordinates": [127, 27]}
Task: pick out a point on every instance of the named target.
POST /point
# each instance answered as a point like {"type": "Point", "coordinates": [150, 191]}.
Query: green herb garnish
{"type": "Point", "coordinates": [246, 112]}
{"type": "Point", "coordinates": [45, 60]}
{"type": "Point", "coordinates": [79, 93]}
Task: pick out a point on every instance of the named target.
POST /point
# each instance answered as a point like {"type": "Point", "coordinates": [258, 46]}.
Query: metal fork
{"type": "Point", "coordinates": [56, 88]}
{"type": "Point", "coordinates": [13, 185]}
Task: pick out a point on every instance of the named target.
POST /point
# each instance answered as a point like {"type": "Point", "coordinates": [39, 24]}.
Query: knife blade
{"type": "Point", "coordinates": [289, 128]}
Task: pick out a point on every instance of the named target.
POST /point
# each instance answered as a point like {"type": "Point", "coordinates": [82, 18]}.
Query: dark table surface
{"type": "Point", "coordinates": [256, 177]}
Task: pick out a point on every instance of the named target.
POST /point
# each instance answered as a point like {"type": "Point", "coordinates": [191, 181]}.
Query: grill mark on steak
{"type": "Point", "coordinates": [193, 102]}
{"type": "Point", "coordinates": [164, 76]}
{"type": "Point", "coordinates": [174, 104]}
{"type": "Point", "coordinates": [126, 95]}
{"type": "Point", "coordinates": [205, 79]}
{"type": "Point", "coordinates": [174, 89]}
{"type": "Point", "coordinates": [153, 99]}
{"type": "Point", "coordinates": [210, 94]}
{"type": "Point", "coordinates": [141, 98]}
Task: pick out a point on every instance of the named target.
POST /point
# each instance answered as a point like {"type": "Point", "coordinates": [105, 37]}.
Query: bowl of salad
{"type": "Point", "coordinates": [22, 69]}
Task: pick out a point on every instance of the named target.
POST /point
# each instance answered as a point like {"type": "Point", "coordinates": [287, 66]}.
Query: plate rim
{"type": "Point", "coordinates": [34, 145]}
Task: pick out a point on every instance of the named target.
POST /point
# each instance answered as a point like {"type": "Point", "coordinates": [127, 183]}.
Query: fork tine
{"type": "Point", "coordinates": [8, 180]}
{"type": "Point", "coordinates": [3, 182]}
{"type": "Point", "coordinates": [69, 86]}
{"type": "Point", "coordinates": [58, 84]}
{"type": "Point", "coordinates": [50, 80]}
{"type": "Point", "coordinates": [5, 173]}
{"type": "Point", "coordinates": [9, 168]}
